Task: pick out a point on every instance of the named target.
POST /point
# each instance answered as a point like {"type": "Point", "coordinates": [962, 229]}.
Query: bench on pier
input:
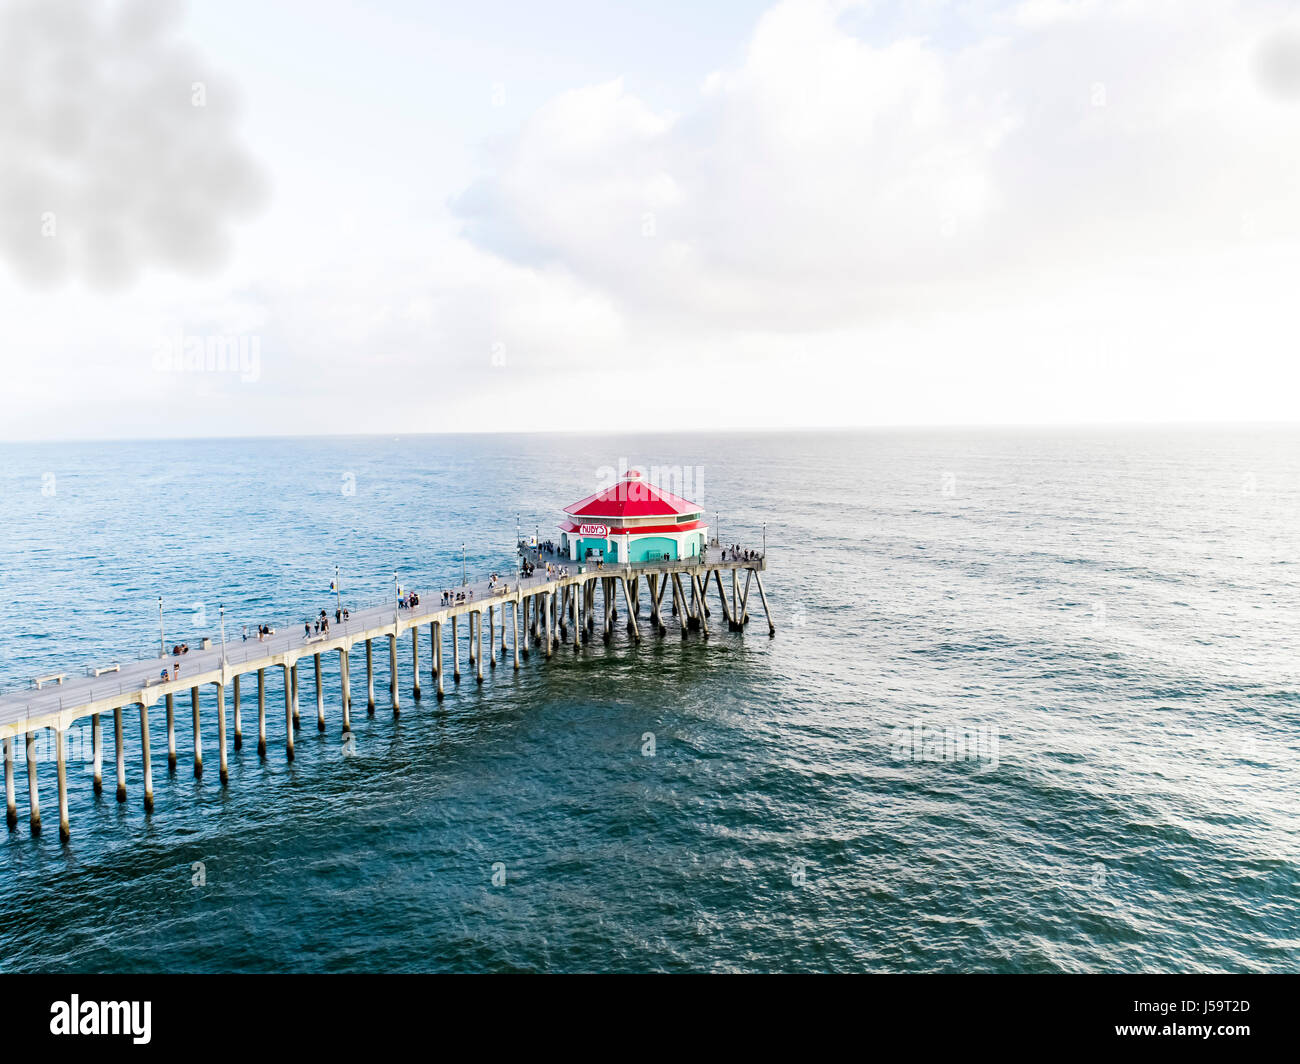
{"type": "Point", "coordinates": [54, 677]}
{"type": "Point", "coordinates": [105, 668]}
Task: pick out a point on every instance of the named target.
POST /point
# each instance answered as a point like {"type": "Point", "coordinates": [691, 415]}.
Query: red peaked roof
{"type": "Point", "coordinates": [574, 528]}
{"type": "Point", "coordinates": [632, 497]}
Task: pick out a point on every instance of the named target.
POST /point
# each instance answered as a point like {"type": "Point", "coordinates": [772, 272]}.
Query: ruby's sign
{"type": "Point", "coordinates": [593, 530]}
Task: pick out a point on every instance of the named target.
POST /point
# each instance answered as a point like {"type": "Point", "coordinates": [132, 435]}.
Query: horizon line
{"type": "Point", "coordinates": [720, 430]}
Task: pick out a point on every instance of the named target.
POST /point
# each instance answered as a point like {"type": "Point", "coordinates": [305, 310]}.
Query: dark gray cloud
{"type": "Point", "coordinates": [118, 147]}
{"type": "Point", "coordinates": [1277, 64]}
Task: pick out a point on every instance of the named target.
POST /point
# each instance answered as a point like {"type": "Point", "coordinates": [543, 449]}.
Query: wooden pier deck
{"type": "Point", "coordinates": [556, 610]}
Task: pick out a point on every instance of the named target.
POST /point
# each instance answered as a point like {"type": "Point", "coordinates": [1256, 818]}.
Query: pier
{"type": "Point", "coordinates": [547, 612]}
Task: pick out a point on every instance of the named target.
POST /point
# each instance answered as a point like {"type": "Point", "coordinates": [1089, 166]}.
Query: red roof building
{"type": "Point", "coordinates": [633, 520]}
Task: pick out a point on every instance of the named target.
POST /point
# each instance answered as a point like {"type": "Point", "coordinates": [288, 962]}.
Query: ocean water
{"type": "Point", "coordinates": [1033, 704]}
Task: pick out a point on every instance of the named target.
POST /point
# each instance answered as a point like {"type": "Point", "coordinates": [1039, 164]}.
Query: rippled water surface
{"type": "Point", "coordinates": [1118, 608]}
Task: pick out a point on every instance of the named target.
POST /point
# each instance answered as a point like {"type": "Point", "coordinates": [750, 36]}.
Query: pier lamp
{"type": "Point", "coordinates": [764, 539]}
{"type": "Point", "coordinates": [222, 609]}
{"type": "Point", "coordinates": [717, 529]}
{"type": "Point", "coordinates": [463, 578]}
{"type": "Point", "coordinates": [162, 637]}
{"type": "Point", "coordinates": [338, 594]}
{"type": "Point", "coordinates": [397, 597]}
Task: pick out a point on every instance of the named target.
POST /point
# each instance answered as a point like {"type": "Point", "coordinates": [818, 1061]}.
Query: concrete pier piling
{"type": "Point", "coordinates": [492, 636]}
{"type": "Point", "coordinates": [469, 619]}
{"type": "Point", "coordinates": [239, 724]}
{"type": "Point", "coordinates": [632, 604]}
{"type": "Point", "coordinates": [145, 766]}
{"type": "Point", "coordinates": [320, 696]}
{"type": "Point", "coordinates": [198, 734]}
{"type": "Point", "coordinates": [119, 751]}
{"type": "Point", "coordinates": [97, 752]}
{"type": "Point", "coordinates": [288, 710]}
{"type": "Point", "coordinates": [61, 764]}
{"type": "Point", "coordinates": [701, 607]}
{"type": "Point", "coordinates": [345, 682]}
{"type": "Point", "coordinates": [261, 713]}
{"type": "Point", "coordinates": [579, 601]}
{"type": "Point", "coordinates": [392, 674]}
{"type": "Point", "coordinates": [433, 651]}
{"type": "Point", "coordinates": [370, 679]}
{"type": "Point", "coordinates": [223, 768]}
{"type": "Point", "coordinates": [727, 612]}
{"type": "Point", "coordinates": [455, 650]}
{"type": "Point", "coordinates": [437, 657]}
{"type": "Point", "coordinates": [171, 732]}
{"type": "Point", "coordinates": [415, 662]}
{"type": "Point", "coordinates": [546, 609]}
{"type": "Point", "coordinates": [514, 636]}
{"type": "Point", "coordinates": [11, 802]}
{"type": "Point", "coordinates": [293, 682]}
{"type": "Point", "coordinates": [771, 628]}
{"type": "Point", "coordinates": [478, 635]}
{"type": "Point", "coordinates": [33, 787]}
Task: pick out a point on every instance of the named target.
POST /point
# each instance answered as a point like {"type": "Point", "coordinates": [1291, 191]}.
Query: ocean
{"type": "Point", "coordinates": [1032, 705]}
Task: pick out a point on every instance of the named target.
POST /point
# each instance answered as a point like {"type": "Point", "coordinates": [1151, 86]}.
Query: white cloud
{"type": "Point", "coordinates": [826, 170]}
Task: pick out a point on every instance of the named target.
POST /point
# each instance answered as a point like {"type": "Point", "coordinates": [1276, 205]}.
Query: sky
{"type": "Point", "coordinates": [233, 217]}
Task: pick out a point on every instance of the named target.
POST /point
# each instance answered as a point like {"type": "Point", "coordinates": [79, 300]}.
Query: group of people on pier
{"type": "Point", "coordinates": [409, 601]}
{"type": "Point", "coordinates": [180, 648]}
{"type": "Point", "coordinates": [450, 599]}
{"type": "Point", "coordinates": [736, 553]}
{"type": "Point", "coordinates": [321, 624]}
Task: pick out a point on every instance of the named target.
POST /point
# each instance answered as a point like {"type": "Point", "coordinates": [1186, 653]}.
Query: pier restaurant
{"type": "Point", "coordinates": [633, 521]}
